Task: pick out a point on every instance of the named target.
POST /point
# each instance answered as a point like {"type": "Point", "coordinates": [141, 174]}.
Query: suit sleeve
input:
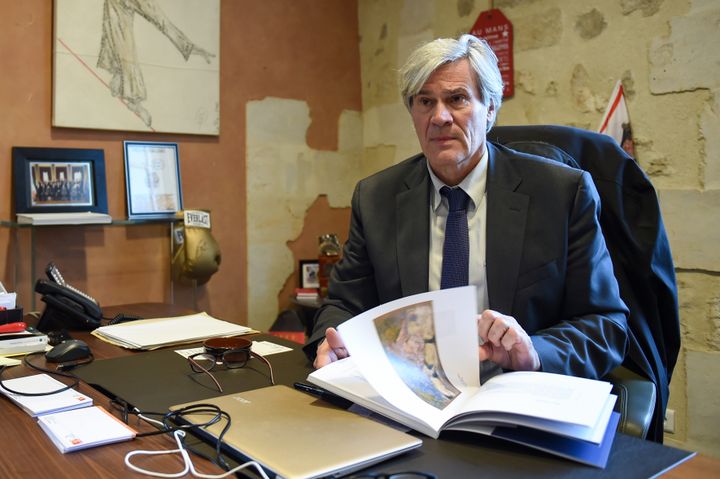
{"type": "Point", "coordinates": [352, 287]}
{"type": "Point", "coordinates": [591, 337]}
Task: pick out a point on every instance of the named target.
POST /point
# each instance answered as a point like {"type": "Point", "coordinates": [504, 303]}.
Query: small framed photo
{"type": "Point", "coordinates": [309, 271]}
{"type": "Point", "coordinates": [59, 180]}
{"type": "Point", "coordinates": [152, 180]}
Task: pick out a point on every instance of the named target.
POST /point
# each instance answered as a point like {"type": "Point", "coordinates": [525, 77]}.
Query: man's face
{"type": "Point", "coordinates": [450, 121]}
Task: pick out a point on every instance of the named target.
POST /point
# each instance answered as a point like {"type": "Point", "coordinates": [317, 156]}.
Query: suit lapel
{"type": "Point", "coordinates": [506, 215]}
{"type": "Point", "coordinates": [413, 228]}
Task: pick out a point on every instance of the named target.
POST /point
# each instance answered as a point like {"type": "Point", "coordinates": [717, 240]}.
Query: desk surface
{"type": "Point", "coordinates": [25, 450]}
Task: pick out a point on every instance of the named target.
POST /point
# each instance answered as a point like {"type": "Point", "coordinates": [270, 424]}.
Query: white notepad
{"type": "Point", "coordinates": [84, 428]}
{"type": "Point", "coordinates": [39, 405]}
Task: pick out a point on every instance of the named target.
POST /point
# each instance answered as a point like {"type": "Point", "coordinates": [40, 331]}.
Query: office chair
{"type": "Point", "coordinates": [635, 235]}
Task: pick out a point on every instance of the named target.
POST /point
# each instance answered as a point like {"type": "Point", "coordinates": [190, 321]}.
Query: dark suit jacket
{"type": "Point", "coordinates": [547, 264]}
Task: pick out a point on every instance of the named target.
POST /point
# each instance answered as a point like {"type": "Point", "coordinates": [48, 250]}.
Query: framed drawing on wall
{"type": "Point", "coordinates": [142, 65]}
{"type": "Point", "coordinates": [59, 180]}
{"type": "Point", "coordinates": [152, 180]}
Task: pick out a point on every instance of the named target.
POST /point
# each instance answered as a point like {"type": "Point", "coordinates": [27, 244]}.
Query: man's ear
{"type": "Point", "coordinates": [491, 114]}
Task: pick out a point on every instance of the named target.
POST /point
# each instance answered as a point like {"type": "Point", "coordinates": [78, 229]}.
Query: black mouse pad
{"type": "Point", "coordinates": [155, 380]}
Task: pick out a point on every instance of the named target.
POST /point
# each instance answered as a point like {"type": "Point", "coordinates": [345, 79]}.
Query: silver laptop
{"type": "Point", "coordinates": [294, 435]}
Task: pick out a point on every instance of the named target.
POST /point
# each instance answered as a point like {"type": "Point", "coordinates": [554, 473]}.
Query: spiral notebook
{"type": "Point", "coordinates": [294, 435]}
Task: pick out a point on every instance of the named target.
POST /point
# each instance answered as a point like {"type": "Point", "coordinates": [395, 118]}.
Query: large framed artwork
{"type": "Point", "coordinates": [137, 65]}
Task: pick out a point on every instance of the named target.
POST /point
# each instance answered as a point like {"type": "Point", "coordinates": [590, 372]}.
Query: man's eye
{"type": "Point", "coordinates": [458, 99]}
{"type": "Point", "coordinates": [424, 101]}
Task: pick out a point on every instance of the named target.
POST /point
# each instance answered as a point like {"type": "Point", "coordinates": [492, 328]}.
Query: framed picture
{"type": "Point", "coordinates": [150, 65]}
{"type": "Point", "coordinates": [309, 270]}
{"type": "Point", "coordinates": [59, 180]}
{"type": "Point", "coordinates": [152, 179]}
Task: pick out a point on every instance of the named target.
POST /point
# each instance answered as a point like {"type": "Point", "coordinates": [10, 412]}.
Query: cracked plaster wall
{"type": "Point", "coordinates": [568, 55]}
{"type": "Point", "coordinates": [284, 177]}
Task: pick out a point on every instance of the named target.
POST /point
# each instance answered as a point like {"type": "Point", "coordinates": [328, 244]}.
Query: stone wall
{"type": "Point", "coordinates": [568, 56]}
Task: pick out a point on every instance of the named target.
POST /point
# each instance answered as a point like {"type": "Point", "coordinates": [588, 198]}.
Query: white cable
{"type": "Point", "coordinates": [154, 453]}
{"type": "Point", "coordinates": [148, 419]}
{"type": "Point", "coordinates": [189, 466]}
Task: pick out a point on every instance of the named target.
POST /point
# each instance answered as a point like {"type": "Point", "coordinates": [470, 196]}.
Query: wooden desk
{"type": "Point", "coordinates": [25, 450]}
{"type": "Point", "coordinates": [695, 468]}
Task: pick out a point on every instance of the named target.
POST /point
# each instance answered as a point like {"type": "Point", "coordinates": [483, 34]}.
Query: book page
{"type": "Point", "coordinates": [420, 352]}
{"type": "Point", "coordinates": [555, 397]}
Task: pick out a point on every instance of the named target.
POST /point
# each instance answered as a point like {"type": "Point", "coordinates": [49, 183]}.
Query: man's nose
{"type": "Point", "coordinates": [441, 115]}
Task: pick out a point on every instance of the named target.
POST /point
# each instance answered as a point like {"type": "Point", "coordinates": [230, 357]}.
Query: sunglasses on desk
{"type": "Point", "coordinates": [231, 353]}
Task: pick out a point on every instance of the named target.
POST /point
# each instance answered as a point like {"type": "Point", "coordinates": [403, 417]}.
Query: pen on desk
{"type": "Point", "coordinates": [324, 395]}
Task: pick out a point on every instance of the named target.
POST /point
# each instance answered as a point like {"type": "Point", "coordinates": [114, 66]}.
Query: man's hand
{"type": "Point", "coordinates": [506, 343]}
{"type": "Point", "coordinates": [330, 349]}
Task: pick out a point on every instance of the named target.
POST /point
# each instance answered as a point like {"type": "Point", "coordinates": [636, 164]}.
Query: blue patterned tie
{"type": "Point", "coordinates": [457, 246]}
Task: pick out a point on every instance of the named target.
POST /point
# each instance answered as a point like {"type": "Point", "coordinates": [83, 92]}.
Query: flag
{"type": "Point", "coordinates": [616, 121]}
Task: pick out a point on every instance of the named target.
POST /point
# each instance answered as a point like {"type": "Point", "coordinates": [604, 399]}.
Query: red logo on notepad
{"type": "Point", "coordinates": [76, 441]}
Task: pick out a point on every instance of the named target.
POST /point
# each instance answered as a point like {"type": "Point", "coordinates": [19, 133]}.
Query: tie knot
{"type": "Point", "coordinates": [457, 198]}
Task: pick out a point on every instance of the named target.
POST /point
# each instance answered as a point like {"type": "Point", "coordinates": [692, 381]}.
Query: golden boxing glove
{"type": "Point", "coordinates": [197, 255]}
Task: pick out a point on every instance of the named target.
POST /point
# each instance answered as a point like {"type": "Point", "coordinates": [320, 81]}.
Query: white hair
{"type": "Point", "coordinates": [429, 57]}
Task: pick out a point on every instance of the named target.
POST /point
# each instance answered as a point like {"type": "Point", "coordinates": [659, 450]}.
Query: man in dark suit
{"type": "Point", "coordinates": [547, 297]}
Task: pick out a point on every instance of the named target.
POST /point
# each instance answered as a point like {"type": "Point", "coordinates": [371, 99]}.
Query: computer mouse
{"type": "Point", "coordinates": [68, 350]}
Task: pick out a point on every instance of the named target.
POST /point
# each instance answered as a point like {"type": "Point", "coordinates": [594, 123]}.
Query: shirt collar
{"type": "Point", "coordinates": [473, 184]}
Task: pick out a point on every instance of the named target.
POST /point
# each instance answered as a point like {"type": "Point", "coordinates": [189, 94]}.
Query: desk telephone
{"type": "Point", "coordinates": [66, 307]}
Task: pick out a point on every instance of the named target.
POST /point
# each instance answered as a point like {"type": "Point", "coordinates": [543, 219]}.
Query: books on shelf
{"type": "Point", "coordinates": [84, 428]}
{"type": "Point", "coordinates": [414, 360]}
{"type": "Point", "coordinates": [306, 294]}
{"type": "Point", "coordinates": [46, 404]}
{"type": "Point", "coordinates": [29, 341]}
{"type": "Point", "coordinates": [149, 334]}
{"type": "Point", "coordinates": [80, 218]}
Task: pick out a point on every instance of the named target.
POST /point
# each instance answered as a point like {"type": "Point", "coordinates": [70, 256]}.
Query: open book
{"type": "Point", "coordinates": [414, 360]}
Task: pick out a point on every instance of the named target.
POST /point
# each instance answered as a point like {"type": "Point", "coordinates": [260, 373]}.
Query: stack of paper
{"type": "Point", "coordinates": [28, 341]}
{"type": "Point", "coordinates": [84, 428]}
{"type": "Point", "coordinates": [155, 333]}
{"type": "Point", "coordinates": [39, 405]}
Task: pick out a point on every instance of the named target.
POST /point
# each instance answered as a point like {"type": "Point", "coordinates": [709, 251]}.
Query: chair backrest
{"type": "Point", "coordinates": [636, 239]}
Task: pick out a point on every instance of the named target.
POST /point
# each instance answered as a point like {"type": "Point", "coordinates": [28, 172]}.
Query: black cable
{"type": "Point", "coordinates": [26, 362]}
{"type": "Point", "coordinates": [170, 424]}
{"type": "Point", "coordinates": [121, 318]}
{"type": "Point", "coordinates": [169, 419]}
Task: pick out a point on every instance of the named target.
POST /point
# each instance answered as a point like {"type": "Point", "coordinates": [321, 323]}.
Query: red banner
{"type": "Point", "coordinates": [497, 30]}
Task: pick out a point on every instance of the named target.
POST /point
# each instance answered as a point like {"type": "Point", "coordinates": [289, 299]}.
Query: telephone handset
{"type": "Point", "coordinates": [67, 307]}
